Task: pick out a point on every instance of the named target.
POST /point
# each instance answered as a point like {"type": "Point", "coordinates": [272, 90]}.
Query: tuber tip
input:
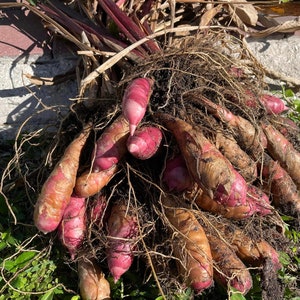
{"type": "Point", "coordinates": [117, 272]}
{"type": "Point", "coordinates": [133, 148]}
{"type": "Point", "coordinates": [132, 129]}
{"type": "Point", "coordinates": [200, 286]}
{"type": "Point", "coordinates": [243, 286]}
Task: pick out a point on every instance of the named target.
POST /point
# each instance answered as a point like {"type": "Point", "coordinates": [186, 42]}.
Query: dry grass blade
{"type": "Point", "coordinates": [288, 26]}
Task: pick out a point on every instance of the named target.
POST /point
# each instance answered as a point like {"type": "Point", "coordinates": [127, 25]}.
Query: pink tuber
{"type": "Point", "coordinates": [135, 101]}
{"type": "Point", "coordinates": [236, 72]}
{"type": "Point", "coordinates": [111, 145]}
{"type": "Point", "coordinates": [89, 184]}
{"type": "Point", "coordinates": [122, 232]}
{"type": "Point", "coordinates": [143, 144]}
{"type": "Point", "coordinates": [206, 164]}
{"type": "Point", "coordinates": [176, 175]}
{"type": "Point", "coordinates": [250, 137]}
{"type": "Point", "coordinates": [58, 188]}
{"type": "Point", "coordinates": [284, 192]}
{"type": "Point", "coordinates": [97, 210]}
{"type": "Point", "coordinates": [72, 228]}
{"type": "Point", "coordinates": [282, 150]}
{"type": "Point", "coordinates": [206, 203]}
{"type": "Point", "coordinates": [273, 104]}
{"type": "Point", "coordinates": [286, 126]}
{"type": "Point", "coordinates": [229, 270]}
{"type": "Point", "coordinates": [259, 199]}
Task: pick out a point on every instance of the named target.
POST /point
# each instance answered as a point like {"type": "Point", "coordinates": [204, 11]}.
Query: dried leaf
{"type": "Point", "coordinates": [246, 12]}
{"type": "Point", "coordinates": [288, 26]}
{"type": "Point", "coordinates": [209, 15]}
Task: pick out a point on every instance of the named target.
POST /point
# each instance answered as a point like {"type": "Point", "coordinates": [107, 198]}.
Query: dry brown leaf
{"type": "Point", "coordinates": [267, 21]}
{"type": "Point", "coordinates": [209, 15]}
{"type": "Point", "coordinates": [286, 27]}
{"type": "Point", "coordinates": [246, 12]}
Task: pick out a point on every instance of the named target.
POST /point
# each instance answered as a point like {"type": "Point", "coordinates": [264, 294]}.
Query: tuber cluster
{"type": "Point", "coordinates": [198, 181]}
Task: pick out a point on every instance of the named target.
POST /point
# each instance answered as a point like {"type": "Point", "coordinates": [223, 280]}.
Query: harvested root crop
{"type": "Point", "coordinates": [91, 183]}
{"type": "Point", "coordinates": [197, 201]}
{"type": "Point", "coordinates": [282, 149]}
{"type": "Point", "coordinates": [207, 166]}
{"type": "Point", "coordinates": [193, 250]}
{"type": "Point", "coordinates": [122, 234]}
{"type": "Point", "coordinates": [229, 270]}
{"type": "Point", "coordinates": [135, 101]}
{"type": "Point", "coordinates": [111, 145]}
{"type": "Point", "coordinates": [58, 188]}
{"type": "Point", "coordinates": [92, 282]}
{"type": "Point", "coordinates": [254, 252]}
{"type": "Point", "coordinates": [144, 143]}
{"type": "Point", "coordinates": [72, 227]}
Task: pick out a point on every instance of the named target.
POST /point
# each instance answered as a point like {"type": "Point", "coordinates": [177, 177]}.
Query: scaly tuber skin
{"type": "Point", "coordinates": [250, 137]}
{"type": "Point", "coordinates": [229, 269]}
{"type": "Point", "coordinates": [206, 164]}
{"type": "Point", "coordinates": [122, 234]}
{"type": "Point", "coordinates": [111, 145]}
{"type": "Point", "coordinates": [284, 192]}
{"type": "Point", "coordinates": [89, 184]}
{"type": "Point", "coordinates": [196, 252]}
{"type": "Point", "coordinates": [252, 252]}
{"type": "Point", "coordinates": [282, 150]}
{"type": "Point", "coordinates": [135, 101]}
{"type": "Point", "coordinates": [176, 175]}
{"type": "Point", "coordinates": [206, 203]}
{"type": "Point", "coordinates": [58, 188]}
{"type": "Point", "coordinates": [144, 143]}
{"type": "Point", "coordinates": [228, 146]}
{"type": "Point", "coordinates": [72, 228]}
{"type": "Point", "coordinates": [92, 282]}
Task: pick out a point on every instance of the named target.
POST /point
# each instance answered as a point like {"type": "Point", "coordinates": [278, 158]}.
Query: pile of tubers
{"type": "Point", "coordinates": [201, 166]}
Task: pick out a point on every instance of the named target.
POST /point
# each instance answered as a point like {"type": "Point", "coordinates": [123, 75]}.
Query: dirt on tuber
{"type": "Point", "coordinates": [194, 251]}
{"type": "Point", "coordinates": [206, 164]}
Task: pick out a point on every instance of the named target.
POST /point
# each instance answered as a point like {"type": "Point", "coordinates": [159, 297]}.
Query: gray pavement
{"type": "Point", "coordinates": [279, 53]}
{"type": "Point", "coordinates": [38, 106]}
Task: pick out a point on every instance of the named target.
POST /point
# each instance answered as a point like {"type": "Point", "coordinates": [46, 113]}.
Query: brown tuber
{"type": "Point", "coordinates": [92, 282]}
{"type": "Point", "coordinates": [195, 252]}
